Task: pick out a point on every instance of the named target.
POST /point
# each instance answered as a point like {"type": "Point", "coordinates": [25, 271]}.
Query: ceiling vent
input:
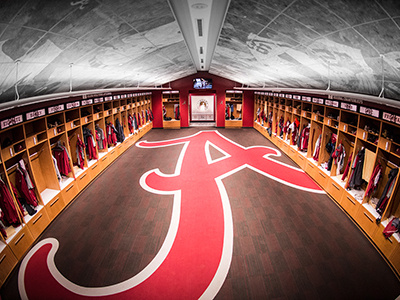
{"type": "Point", "coordinates": [200, 26]}
{"type": "Point", "coordinates": [201, 50]}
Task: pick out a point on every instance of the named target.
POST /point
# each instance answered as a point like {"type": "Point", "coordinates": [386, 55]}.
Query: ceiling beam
{"type": "Point", "coordinates": [201, 23]}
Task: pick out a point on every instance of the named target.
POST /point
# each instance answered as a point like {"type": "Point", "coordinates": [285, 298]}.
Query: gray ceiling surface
{"type": "Point", "coordinates": [62, 45]}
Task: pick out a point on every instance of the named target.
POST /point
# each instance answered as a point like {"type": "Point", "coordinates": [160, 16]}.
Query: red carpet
{"type": "Point", "coordinates": [196, 255]}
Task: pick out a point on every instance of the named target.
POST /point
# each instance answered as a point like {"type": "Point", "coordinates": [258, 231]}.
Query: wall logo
{"type": "Point", "coordinates": [202, 105]}
{"type": "Point", "coordinates": [195, 257]}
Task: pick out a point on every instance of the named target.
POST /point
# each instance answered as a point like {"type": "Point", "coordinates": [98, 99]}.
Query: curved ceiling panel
{"type": "Point", "coordinates": [344, 45]}
{"type": "Point", "coordinates": [50, 46]}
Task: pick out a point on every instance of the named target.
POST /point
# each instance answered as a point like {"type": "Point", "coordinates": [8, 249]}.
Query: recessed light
{"type": "Point", "coordinates": [199, 5]}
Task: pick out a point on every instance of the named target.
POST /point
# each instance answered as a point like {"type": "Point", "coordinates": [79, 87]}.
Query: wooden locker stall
{"type": "Point", "coordinates": [86, 114]}
{"type": "Point", "coordinates": [55, 124]}
{"type": "Point", "coordinates": [170, 100]}
{"type": "Point", "coordinates": [234, 106]}
{"type": "Point", "coordinates": [12, 142]}
{"type": "Point", "coordinates": [34, 142]}
{"type": "Point", "coordinates": [354, 131]}
{"type": "Point", "coordinates": [23, 237]}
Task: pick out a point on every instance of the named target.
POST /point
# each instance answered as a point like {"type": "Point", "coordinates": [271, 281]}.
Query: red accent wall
{"type": "Point", "coordinates": [248, 108]}
{"type": "Point", "coordinates": [157, 109]}
{"type": "Point", "coordinates": [220, 85]}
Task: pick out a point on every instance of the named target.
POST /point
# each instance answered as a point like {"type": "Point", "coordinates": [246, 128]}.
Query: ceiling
{"type": "Point", "coordinates": [74, 45]}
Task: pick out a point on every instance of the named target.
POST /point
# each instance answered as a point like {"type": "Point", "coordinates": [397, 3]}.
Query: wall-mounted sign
{"type": "Point", "coordinates": [369, 111]}
{"type": "Point", "coordinates": [332, 103]}
{"type": "Point", "coordinates": [11, 121]}
{"type": "Point", "coordinates": [73, 104]}
{"type": "Point", "coordinates": [35, 114]}
{"type": "Point", "coordinates": [54, 109]}
{"type": "Point", "coordinates": [391, 117]}
{"type": "Point", "coordinates": [348, 106]}
{"type": "Point", "coordinates": [318, 100]}
{"type": "Point", "coordinates": [86, 102]}
{"type": "Point", "coordinates": [98, 100]}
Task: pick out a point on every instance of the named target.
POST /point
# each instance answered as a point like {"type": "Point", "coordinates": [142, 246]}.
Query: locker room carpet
{"type": "Point", "coordinates": [287, 243]}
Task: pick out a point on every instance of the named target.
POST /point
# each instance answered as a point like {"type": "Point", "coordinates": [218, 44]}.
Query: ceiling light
{"type": "Point", "coordinates": [200, 26]}
{"type": "Point", "coordinates": [199, 5]}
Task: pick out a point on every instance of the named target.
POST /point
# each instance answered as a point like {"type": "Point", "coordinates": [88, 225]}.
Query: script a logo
{"type": "Point", "coordinates": [195, 257]}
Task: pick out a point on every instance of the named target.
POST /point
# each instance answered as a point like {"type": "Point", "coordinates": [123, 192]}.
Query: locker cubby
{"type": "Point", "coordinates": [388, 161]}
{"type": "Point", "coordinates": [98, 111]}
{"type": "Point", "coordinates": [332, 117]}
{"type": "Point", "coordinates": [123, 104]}
{"type": "Point", "coordinates": [12, 142]}
{"type": "Point", "coordinates": [235, 101]}
{"type": "Point", "coordinates": [100, 124]}
{"type": "Point", "coordinates": [282, 104]}
{"type": "Point", "coordinates": [276, 102]}
{"type": "Point", "coordinates": [369, 130]}
{"type": "Point", "coordinates": [72, 119]}
{"type": "Point", "coordinates": [86, 114]}
{"type": "Point", "coordinates": [55, 124]}
{"type": "Point", "coordinates": [306, 110]}
{"type": "Point", "coordinates": [115, 107]}
{"type": "Point", "coordinates": [108, 109]}
{"type": "Point", "coordinates": [318, 109]}
{"type": "Point", "coordinates": [359, 145]}
{"type": "Point", "coordinates": [329, 135]}
{"type": "Point", "coordinates": [286, 124]}
{"type": "Point", "coordinates": [318, 113]}
{"type": "Point", "coordinates": [348, 142]}
{"type": "Point", "coordinates": [73, 136]}
{"type": "Point", "coordinates": [11, 169]}
{"type": "Point", "coordinates": [91, 128]}
{"type": "Point", "coordinates": [315, 132]}
{"type": "Point", "coordinates": [35, 132]}
{"type": "Point", "coordinates": [389, 139]}
{"type": "Point", "coordinates": [62, 140]}
{"type": "Point", "coordinates": [124, 123]}
{"type": "Point", "coordinates": [10, 230]}
{"type": "Point", "coordinates": [44, 172]}
{"type": "Point", "coordinates": [304, 122]}
{"type": "Point", "coordinates": [348, 122]}
{"type": "Point", "coordinates": [297, 107]}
